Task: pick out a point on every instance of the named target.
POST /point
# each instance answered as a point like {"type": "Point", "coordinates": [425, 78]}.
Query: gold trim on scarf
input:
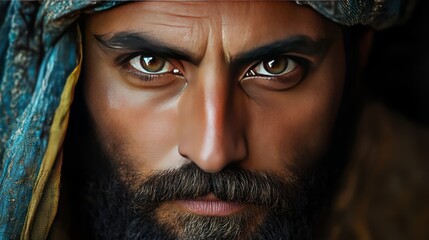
{"type": "Point", "coordinates": [44, 201]}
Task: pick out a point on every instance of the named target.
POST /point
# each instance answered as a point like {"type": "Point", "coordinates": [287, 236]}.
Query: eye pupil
{"type": "Point", "coordinates": [276, 65]}
{"type": "Point", "coordinates": [152, 64]}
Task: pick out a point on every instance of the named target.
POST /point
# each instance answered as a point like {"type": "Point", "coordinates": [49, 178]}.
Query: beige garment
{"type": "Point", "coordinates": [385, 195]}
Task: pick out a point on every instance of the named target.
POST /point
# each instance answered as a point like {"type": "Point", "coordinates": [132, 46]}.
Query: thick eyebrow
{"type": "Point", "coordinates": [133, 41]}
{"type": "Point", "coordinates": [300, 44]}
{"type": "Point", "coordinates": [136, 41]}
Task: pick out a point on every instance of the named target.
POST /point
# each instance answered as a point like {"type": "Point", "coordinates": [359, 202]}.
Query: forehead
{"type": "Point", "coordinates": [235, 26]}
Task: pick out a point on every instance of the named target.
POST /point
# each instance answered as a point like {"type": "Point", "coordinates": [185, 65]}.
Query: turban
{"type": "Point", "coordinates": [40, 56]}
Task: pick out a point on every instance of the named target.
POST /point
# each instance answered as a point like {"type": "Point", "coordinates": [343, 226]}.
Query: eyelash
{"type": "Point", "coordinates": [124, 62]}
{"type": "Point", "coordinates": [299, 61]}
{"type": "Point", "coordinates": [283, 81]}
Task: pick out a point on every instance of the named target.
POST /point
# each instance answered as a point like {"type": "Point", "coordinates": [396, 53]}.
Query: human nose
{"type": "Point", "coordinates": [211, 121]}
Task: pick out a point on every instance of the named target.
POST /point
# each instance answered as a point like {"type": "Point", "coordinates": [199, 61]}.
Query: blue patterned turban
{"type": "Point", "coordinates": [40, 59]}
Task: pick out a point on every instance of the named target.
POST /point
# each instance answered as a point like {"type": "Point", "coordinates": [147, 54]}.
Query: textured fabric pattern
{"type": "Point", "coordinates": [38, 51]}
{"type": "Point", "coordinates": [376, 13]}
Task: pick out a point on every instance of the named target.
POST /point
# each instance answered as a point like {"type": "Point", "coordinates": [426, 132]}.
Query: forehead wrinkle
{"type": "Point", "coordinates": [180, 10]}
{"type": "Point", "coordinates": [215, 29]}
{"type": "Point", "coordinates": [182, 18]}
{"type": "Point", "coordinates": [172, 25]}
{"type": "Point", "coordinates": [172, 16]}
{"type": "Point", "coordinates": [196, 37]}
{"type": "Point", "coordinates": [245, 30]}
{"type": "Point", "coordinates": [177, 15]}
{"type": "Point", "coordinates": [223, 39]}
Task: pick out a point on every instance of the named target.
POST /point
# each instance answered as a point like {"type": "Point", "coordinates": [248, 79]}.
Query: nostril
{"type": "Point", "coordinates": [183, 154]}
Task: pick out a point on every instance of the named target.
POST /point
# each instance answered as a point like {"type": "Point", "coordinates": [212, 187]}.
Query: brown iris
{"type": "Point", "coordinates": [152, 64]}
{"type": "Point", "coordinates": [276, 65]}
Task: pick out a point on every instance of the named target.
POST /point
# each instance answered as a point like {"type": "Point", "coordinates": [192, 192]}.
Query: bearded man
{"type": "Point", "coordinates": [190, 120]}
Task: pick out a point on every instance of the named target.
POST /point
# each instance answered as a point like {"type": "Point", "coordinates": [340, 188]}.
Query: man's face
{"type": "Point", "coordinates": [213, 88]}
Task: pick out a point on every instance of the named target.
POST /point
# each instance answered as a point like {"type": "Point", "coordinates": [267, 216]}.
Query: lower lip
{"type": "Point", "coordinates": [211, 207]}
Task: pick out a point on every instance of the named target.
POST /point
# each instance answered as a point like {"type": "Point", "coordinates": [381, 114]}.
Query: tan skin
{"type": "Point", "coordinates": [209, 109]}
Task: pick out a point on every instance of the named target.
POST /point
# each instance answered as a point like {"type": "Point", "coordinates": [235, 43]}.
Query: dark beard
{"type": "Point", "coordinates": [117, 212]}
{"type": "Point", "coordinates": [105, 206]}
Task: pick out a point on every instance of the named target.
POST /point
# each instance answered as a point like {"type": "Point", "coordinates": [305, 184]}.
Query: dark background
{"type": "Point", "coordinates": [398, 70]}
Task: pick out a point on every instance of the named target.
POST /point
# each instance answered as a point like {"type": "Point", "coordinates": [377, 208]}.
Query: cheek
{"type": "Point", "coordinates": [135, 128]}
{"type": "Point", "coordinates": [298, 122]}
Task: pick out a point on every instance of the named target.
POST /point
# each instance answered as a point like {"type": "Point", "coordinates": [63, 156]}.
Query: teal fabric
{"type": "Point", "coordinates": [379, 14]}
{"type": "Point", "coordinates": [37, 52]}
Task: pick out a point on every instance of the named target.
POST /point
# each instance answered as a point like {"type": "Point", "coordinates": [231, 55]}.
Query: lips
{"type": "Point", "coordinates": [210, 206]}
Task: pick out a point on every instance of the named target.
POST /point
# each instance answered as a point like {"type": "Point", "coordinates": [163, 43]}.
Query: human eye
{"type": "Point", "coordinates": [278, 73]}
{"type": "Point", "coordinates": [276, 66]}
{"type": "Point", "coordinates": [151, 70]}
{"type": "Point", "coordinates": [150, 64]}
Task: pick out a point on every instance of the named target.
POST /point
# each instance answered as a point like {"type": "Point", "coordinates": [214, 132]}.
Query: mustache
{"type": "Point", "coordinates": [280, 192]}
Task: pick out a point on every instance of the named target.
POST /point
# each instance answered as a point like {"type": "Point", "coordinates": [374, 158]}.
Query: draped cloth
{"type": "Point", "coordinates": [40, 56]}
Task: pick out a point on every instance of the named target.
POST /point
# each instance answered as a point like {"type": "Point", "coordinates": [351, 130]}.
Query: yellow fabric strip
{"type": "Point", "coordinates": [44, 201]}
